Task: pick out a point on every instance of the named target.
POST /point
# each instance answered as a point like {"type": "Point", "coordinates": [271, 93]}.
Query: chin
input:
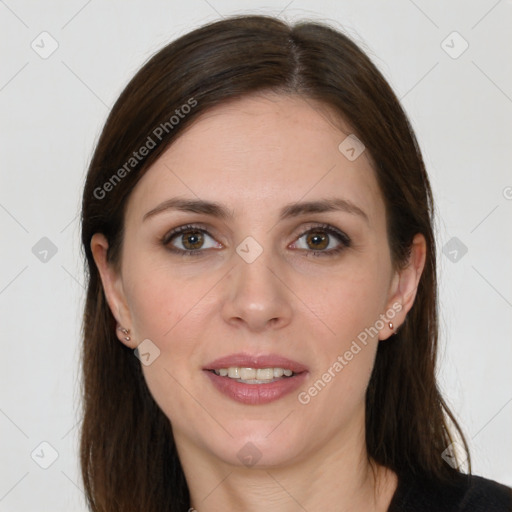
{"type": "Point", "coordinates": [258, 449]}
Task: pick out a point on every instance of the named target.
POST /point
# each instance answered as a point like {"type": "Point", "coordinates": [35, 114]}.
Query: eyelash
{"type": "Point", "coordinates": [344, 240]}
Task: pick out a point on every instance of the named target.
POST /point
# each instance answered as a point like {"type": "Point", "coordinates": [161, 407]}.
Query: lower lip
{"type": "Point", "coordinates": [256, 394]}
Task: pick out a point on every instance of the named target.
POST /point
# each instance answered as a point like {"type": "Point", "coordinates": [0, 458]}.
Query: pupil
{"type": "Point", "coordinates": [193, 240]}
{"type": "Point", "coordinates": [318, 240]}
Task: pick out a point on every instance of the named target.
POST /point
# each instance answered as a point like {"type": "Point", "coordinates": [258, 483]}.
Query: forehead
{"type": "Point", "coordinates": [257, 153]}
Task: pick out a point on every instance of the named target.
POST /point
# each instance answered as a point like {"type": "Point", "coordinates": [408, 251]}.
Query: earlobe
{"type": "Point", "coordinates": [404, 287]}
{"type": "Point", "coordinates": [112, 286]}
{"type": "Point", "coordinates": [125, 332]}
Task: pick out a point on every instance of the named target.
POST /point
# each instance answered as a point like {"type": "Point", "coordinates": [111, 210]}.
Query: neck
{"type": "Point", "coordinates": [335, 476]}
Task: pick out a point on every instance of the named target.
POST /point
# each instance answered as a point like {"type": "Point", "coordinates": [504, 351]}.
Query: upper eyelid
{"type": "Point", "coordinates": [333, 230]}
{"type": "Point", "coordinates": [179, 230]}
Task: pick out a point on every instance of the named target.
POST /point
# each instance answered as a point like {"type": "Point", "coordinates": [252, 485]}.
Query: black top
{"type": "Point", "coordinates": [468, 494]}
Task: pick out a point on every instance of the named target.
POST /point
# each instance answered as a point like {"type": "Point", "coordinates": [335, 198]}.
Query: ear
{"type": "Point", "coordinates": [404, 287]}
{"type": "Point", "coordinates": [112, 286]}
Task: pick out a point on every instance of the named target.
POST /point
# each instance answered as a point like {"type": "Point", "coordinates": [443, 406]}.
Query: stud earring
{"type": "Point", "coordinates": [125, 332]}
{"type": "Point", "coordinates": [390, 325]}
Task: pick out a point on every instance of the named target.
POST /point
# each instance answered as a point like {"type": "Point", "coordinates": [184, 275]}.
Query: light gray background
{"type": "Point", "coordinates": [52, 111]}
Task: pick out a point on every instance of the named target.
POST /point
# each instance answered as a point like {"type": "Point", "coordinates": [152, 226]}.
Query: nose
{"type": "Point", "coordinates": [256, 296]}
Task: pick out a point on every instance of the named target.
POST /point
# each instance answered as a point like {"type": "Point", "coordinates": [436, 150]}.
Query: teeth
{"type": "Point", "coordinates": [264, 374]}
{"type": "Point", "coordinates": [254, 375]}
{"type": "Point", "coordinates": [234, 373]}
{"type": "Point", "coordinates": [248, 373]}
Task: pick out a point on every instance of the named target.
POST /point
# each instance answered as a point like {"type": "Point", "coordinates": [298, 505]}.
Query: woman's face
{"type": "Point", "coordinates": [289, 270]}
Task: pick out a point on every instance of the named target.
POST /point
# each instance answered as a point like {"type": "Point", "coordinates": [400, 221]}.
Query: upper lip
{"type": "Point", "coordinates": [256, 361]}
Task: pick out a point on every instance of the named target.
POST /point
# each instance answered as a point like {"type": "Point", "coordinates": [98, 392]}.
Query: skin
{"type": "Point", "coordinates": [255, 155]}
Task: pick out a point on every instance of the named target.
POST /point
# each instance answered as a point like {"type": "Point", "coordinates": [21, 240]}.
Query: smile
{"type": "Point", "coordinates": [255, 379]}
{"type": "Point", "coordinates": [254, 375]}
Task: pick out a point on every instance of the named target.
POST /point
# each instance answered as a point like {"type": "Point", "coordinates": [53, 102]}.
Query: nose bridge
{"type": "Point", "coordinates": [256, 295]}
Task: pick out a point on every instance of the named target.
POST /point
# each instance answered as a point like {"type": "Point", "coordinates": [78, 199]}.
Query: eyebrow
{"type": "Point", "coordinates": [289, 211]}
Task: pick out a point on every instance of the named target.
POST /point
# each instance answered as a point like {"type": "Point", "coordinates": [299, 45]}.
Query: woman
{"type": "Point", "coordinates": [260, 328]}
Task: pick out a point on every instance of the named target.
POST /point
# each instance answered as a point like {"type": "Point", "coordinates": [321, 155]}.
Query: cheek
{"type": "Point", "coordinates": [349, 302]}
{"type": "Point", "coordinates": [160, 298]}
{"type": "Point", "coordinates": [168, 310]}
{"type": "Point", "coordinates": [349, 305]}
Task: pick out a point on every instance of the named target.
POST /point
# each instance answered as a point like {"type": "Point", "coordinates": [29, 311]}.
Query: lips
{"type": "Point", "coordinates": [255, 392]}
{"type": "Point", "coordinates": [253, 361]}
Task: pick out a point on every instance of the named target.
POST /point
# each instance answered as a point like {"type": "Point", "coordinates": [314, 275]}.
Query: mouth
{"type": "Point", "coordinates": [254, 375]}
{"type": "Point", "coordinates": [255, 380]}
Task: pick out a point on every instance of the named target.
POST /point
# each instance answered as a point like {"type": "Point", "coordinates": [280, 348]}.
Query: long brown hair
{"type": "Point", "coordinates": [128, 456]}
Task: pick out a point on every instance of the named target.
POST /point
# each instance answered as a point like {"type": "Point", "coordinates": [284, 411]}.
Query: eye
{"type": "Point", "coordinates": [189, 240]}
{"type": "Point", "coordinates": [324, 240]}
{"type": "Point", "coordinates": [320, 240]}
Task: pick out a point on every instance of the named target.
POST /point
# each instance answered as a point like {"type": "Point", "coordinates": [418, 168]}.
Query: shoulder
{"type": "Point", "coordinates": [483, 494]}
{"type": "Point", "coordinates": [468, 493]}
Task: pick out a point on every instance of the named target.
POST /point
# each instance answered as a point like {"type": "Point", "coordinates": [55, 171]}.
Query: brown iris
{"type": "Point", "coordinates": [192, 239]}
{"type": "Point", "coordinates": [318, 240]}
